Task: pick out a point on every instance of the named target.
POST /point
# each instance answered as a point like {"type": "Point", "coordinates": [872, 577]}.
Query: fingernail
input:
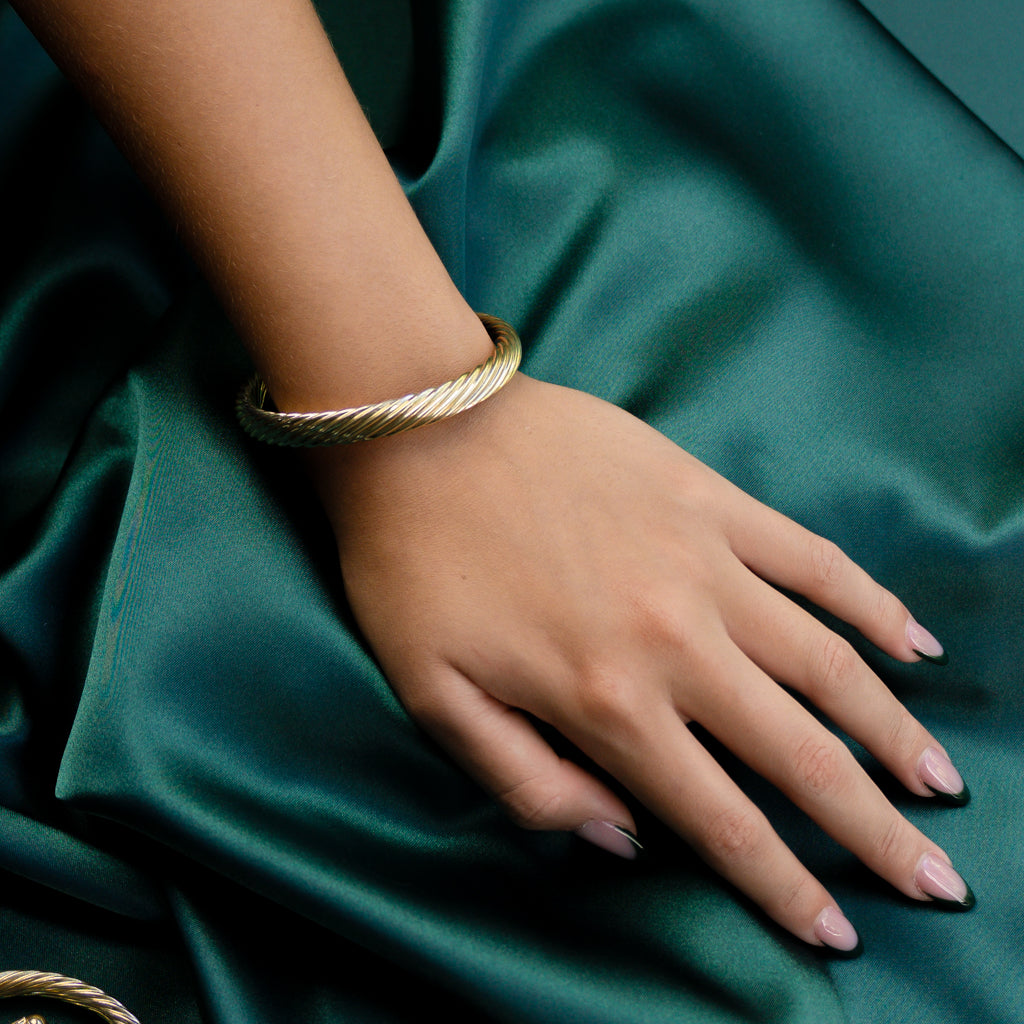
{"type": "Point", "coordinates": [924, 644]}
{"type": "Point", "coordinates": [836, 932]}
{"type": "Point", "coordinates": [935, 878]}
{"type": "Point", "coordinates": [936, 771]}
{"type": "Point", "coordinates": [613, 838]}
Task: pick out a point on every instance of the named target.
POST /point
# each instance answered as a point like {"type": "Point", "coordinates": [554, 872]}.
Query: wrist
{"type": "Point", "coordinates": [360, 359]}
{"type": "Point", "coordinates": [357, 424]}
{"type": "Point", "coordinates": [372, 480]}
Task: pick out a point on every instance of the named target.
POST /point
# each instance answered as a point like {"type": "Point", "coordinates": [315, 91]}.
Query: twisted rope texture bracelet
{"type": "Point", "coordinates": [68, 990]}
{"type": "Point", "coordinates": [382, 419]}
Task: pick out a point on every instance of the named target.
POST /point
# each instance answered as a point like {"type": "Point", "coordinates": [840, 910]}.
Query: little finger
{"type": "Point", "coordinates": [499, 748]}
{"type": "Point", "coordinates": [686, 787]}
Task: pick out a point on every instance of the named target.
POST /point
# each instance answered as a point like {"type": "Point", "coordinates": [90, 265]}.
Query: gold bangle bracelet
{"type": "Point", "coordinates": [69, 990]}
{"type": "Point", "coordinates": [382, 419]}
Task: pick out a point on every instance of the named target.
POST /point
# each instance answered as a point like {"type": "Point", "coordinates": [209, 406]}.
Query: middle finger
{"type": "Point", "coordinates": [779, 739]}
{"type": "Point", "coordinates": [794, 648]}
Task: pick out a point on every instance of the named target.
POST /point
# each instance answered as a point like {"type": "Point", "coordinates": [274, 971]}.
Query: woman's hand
{"type": "Point", "coordinates": [547, 552]}
{"type": "Point", "coordinates": [544, 551]}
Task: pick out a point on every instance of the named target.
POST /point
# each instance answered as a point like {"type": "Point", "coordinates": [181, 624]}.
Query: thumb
{"type": "Point", "coordinates": [499, 747]}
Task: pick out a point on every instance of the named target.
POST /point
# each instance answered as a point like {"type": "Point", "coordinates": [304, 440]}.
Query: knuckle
{"type": "Point", "coordinates": [888, 842]}
{"type": "Point", "coordinates": [532, 803]}
{"type": "Point", "coordinates": [837, 667]}
{"type": "Point", "coordinates": [654, 619]}
{"type": "Point", "coordinates": [607, 698]}
{"type": "Point", "coordinates": [794, 895]}
{"type": "Point", "coordinates": [903, 733]}
{"type": "Point", "coordinates": [818, 765]}
{"type": "Point", "coordinates": [889, 608]}
{"type": "Point", "coordinates": [828, 563]}
{"type": "Point", "coordinates": [733, 835]}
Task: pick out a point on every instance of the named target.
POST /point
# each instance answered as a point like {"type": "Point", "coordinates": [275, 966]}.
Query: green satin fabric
{"type": "Point", "coordinates": [763, 228]}
{"type": "Point", "coordinates": [974, 50]}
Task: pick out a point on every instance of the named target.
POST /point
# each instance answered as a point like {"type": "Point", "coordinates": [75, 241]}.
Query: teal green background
{"type": "Point", "coordinates": [766, 229]}
{"type": "Point", "coordinates": [973, 47]}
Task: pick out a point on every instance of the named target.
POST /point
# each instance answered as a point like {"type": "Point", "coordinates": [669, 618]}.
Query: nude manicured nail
{"type": "Point", "coordinates": [935, 878]}
{"type": "Point", "coordinates": [936, 771]}
{"type": "Point", "coordinates": [833, 929]}
{"type": "Point", "coordinates": [924, 644]}
{"type": "Point", "coordinates": [613, 838]}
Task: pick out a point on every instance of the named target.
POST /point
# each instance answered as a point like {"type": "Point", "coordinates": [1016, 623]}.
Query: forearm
{"type": "Point", "coordinates": [239, 116]}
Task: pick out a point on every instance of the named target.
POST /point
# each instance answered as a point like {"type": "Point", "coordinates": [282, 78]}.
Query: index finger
{"type": "Point", "coordinates": [790, 556]}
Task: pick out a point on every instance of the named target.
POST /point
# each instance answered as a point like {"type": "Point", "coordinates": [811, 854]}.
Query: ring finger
{"type": "Point", "coordinates": [687, 788]}
{"type": "Point", "coordinates": [783, 742]}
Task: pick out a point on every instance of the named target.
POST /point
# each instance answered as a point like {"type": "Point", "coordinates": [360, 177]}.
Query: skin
{"type": "Point", "coordinates": [544, 552]}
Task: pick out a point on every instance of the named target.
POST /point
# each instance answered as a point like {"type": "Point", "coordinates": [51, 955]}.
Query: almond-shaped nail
{"type": "Point", "coordinates": [835, 931]}
{"type": "Point", "coordinates": [935, 878]}
{"type": "Point", "coordinates": [936, 771]}
{"type": "Point", "coordinates": [924, 644]}
{"type": "Point", "coordinates": [613, 838]}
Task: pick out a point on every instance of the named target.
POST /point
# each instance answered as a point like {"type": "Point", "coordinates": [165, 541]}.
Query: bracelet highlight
{"type": "Point", "coordinates": [69, 990]}
{"type": "Point", "coordinates": [382, 419]}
